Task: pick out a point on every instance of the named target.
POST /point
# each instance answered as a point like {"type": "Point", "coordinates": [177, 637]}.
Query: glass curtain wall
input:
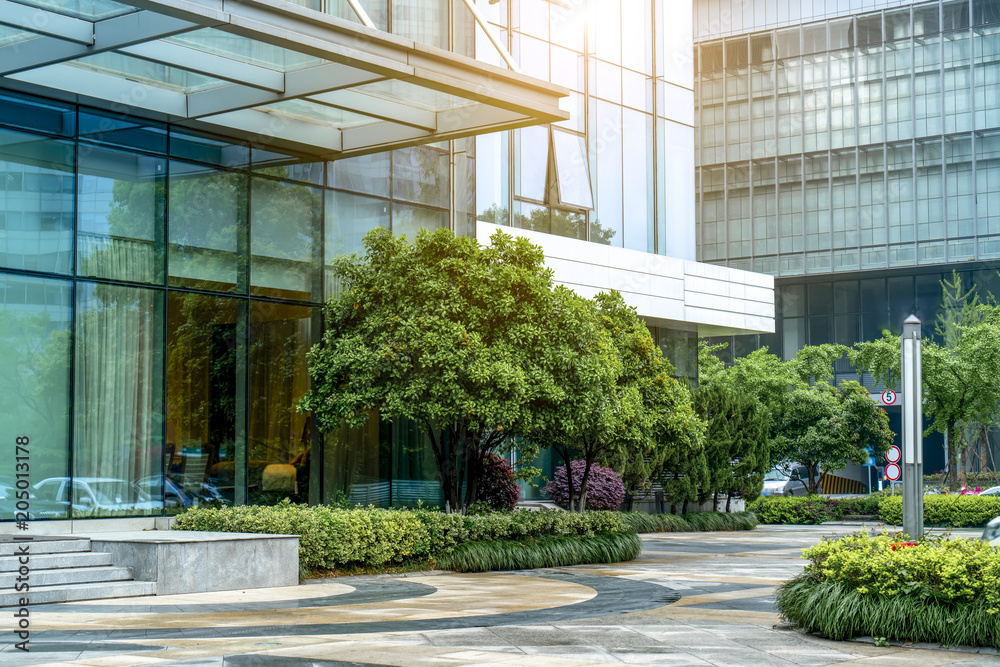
{"type": "Point", "coordinates": [901, 105]}
{"type": "Point", "coordinates": [159, 291]}
{"type": "Point", "coordinates": [603, 175]}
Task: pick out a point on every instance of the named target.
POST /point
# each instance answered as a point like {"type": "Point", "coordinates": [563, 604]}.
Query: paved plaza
{"type": "Point", "coordinates": [689, 599]}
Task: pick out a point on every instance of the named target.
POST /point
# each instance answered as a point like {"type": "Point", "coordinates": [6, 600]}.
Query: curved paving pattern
{"type": "Point", "coordinates": [689, 599]}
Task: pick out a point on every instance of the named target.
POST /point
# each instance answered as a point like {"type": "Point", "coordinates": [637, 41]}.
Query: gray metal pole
{"type": "Point", "coordinates": [913, 431]}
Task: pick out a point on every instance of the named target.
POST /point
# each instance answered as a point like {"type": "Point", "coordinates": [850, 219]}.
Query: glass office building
{"type": "Point", "coordinates": [175, 179]}
{"type": "Point", "coordinates": [852, 154]}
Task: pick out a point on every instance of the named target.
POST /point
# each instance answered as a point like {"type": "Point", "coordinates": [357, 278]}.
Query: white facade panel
{"type": "Point", "coordinates": [665, 291]}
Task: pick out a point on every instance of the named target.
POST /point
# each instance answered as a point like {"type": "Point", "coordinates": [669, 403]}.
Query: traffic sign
{"type": "Point", "coordinates": [888, 397]}
{"type": "Point", "coordinates": [893, 455]}
{"type": "Point", "coordinates": [893, 471]}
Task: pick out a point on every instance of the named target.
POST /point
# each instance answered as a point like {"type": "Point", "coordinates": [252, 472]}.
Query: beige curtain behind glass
{"type": "Point", "coordinates": [118, 383]}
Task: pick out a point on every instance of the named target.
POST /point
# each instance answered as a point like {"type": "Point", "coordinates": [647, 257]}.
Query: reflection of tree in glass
{"type": "Point", "coordinates": [550, 221]}
{"type": "Point", "coordinates": [34, 383]}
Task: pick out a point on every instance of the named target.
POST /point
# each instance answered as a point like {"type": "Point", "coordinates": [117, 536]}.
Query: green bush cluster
{"type": "Point", "coordinates": [679, 523]}
{"type": "Point", "coordinates": [858, 585]}
{"type": "Point", "coordinates": [939, 510]}
{"type": "Point", "coordinates": [955, 511]}
{"type": "Point", "coordinates": [334, 537]}
{"type": "Point", "coordinates": [811, 509]}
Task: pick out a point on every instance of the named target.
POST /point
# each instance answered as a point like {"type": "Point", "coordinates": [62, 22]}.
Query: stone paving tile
{"type": "Point", "coordinates": [689, 599]}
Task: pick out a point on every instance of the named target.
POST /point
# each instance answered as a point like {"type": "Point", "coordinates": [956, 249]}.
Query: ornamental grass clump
{"type": "Point", "coordinates": [935, 590]}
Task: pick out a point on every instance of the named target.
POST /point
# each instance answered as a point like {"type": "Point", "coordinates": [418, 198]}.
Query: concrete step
{"type": "Point", "coordinates": [74, 592]}
{"type": "Point", "coordinates": [70, 575]}
{"type": "Point", "coordinates": [54, 561]}
{"type": "Point", "coordinates": [46, 546]}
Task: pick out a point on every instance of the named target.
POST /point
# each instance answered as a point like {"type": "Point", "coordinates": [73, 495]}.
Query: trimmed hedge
{"type": "Point", "coordinates": [555, 551]}
{"type": "Point", "coordinates": [939, 510]}
{"type": "Point", "coordinates": [679, 523]}
{"type": "Point", "coordinates": [372, 537]}
{"type": "Point", "coordinates": [337, 538]}
{"type": "Point", "coordinates": [939, 590]}
{"type": "Point", "coordinates": [946, 510]}
{"type": "Point", "coordinates": [810, 509]}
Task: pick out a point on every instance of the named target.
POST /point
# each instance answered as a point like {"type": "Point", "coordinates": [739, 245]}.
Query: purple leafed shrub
{"type": "Point", "coordinates": [498, 487]}
{"type": "Point", "coordinates": [605, 490]}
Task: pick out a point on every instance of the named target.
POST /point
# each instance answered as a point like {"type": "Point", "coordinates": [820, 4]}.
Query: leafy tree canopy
{"type": "Point", "coordinates": [826, 427]}
{"type": "Point", "coordinates": [959, 378]}
{"type": "Point", "coordinates": [448, 333]}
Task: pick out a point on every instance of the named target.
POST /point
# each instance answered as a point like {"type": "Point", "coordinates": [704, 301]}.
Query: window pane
{"type": "Point", "coordinates": [531, 151]}
{"type": "Point", "coordinates": [203, 402]}
{"type": "Point", "coordinates": [422, 21]}
{"type": "Point", "coordinates": [356, 463]}
{"type": "Point", "coordinates": [280, 435]}
{"type": "Point", "coordinates": [608, 155]}
{"type": "Point", "coordinates": [348, 219]}
{"type": "Point", "coordinates": [573, 170]}
{"type": "Point", "coordinates": [408, 220]}
{"type": "Point", "coordinates": [420, 175]}
{"type": "Point", "coordinates": [285, 221]}
{"type": "Point", "coordinates": [35, 335]}
{"type": "Point", "coordinates": [367, 174]}
{"type": "Point", "coordinates": [118, 412]}
{"type": "Point", "coordinates": [36, 203]}
{"type": "Point", "coordinates": [120, 216]}
{"type": "Point", "coordinates": [207, 227]}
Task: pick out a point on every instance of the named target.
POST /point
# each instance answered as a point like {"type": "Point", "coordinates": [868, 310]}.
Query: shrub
{"type": "Point", "coordinates": [553, 551]}
{"type": "Point", "coordinates": [498, 486]}
{"type": "Point", "coordinates": [795, 510]}
{"type": "Point", "coordinates": [945, 510]}
{"type": "Point", "coordinates": [940, 590]}
{"type": "Point", "coordinates": [701, 521]}
{"type": "Point", "coordinates": [605, 490]}
{"type": "Point", "coordinates": [372, 537]}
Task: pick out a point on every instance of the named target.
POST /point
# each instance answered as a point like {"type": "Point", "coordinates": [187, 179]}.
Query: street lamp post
{"type": "Point", "coordinates": [913, 431]}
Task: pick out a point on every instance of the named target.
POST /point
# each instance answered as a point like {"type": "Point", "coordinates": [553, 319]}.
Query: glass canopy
{"type": "Point", "coordinates": [277, 73]}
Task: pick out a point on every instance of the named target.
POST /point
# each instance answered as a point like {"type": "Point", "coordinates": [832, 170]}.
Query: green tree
{"type": "Point", "coordinates": [737, 448]}
{"type": "Point", "coordinates": [616, 404]}
{"type": "Point", "coordinates": [825, 427]}
{"type": "Point", "coordinates": [959, 380]}
{"type": "Point", "coordinates": [444, 332]}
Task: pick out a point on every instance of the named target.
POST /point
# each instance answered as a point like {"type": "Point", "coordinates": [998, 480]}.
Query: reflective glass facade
{"type": "Point", "coordinates": [853, 157]}
{"type": "Point", "coordinates": [857, 143]}
{"type": "Point", "coordinates": [616, 172]}
{"type": "Point", "coordinates": [159, 291]}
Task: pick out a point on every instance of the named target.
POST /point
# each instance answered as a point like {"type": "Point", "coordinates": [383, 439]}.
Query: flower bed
{"type": "Point", "coordinates": [937, 590]}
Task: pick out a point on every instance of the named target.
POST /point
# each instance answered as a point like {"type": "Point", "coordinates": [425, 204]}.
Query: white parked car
{"type": "Point", "coordinates": [781, 483]}
{"type": "Point", "coordinates": [96, 495]}
{"type": "Point", "coordinates": [992, 532]}
{"type": "Point", "coordinates": [993, 491]}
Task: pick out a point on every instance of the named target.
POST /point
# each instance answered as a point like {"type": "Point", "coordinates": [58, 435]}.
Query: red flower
{"type": "Point", "coordinates": [902, 545]}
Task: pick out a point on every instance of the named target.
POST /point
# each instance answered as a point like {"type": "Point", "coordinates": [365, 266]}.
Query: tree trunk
{"type": "Point", "coordinates": [715, 502]}
{"type": "Point", "coordinates": [812, 479]}
{"type": "Point", "coordinates": [583, 485]}
{"type": "Point", "coordinates": [952, 476]}
{"type": "Point", "coordinates": [728, 500]}
{"type": "Point", "coordinates": [684, 508]}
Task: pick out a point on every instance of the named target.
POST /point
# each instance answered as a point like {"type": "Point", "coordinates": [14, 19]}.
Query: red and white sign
{"type": "Point", "coordinates": [893, 472]}
{"type": "Point", "coordinates": [893, 455]}
{"type": "Point", "coordinates": [888, 397]}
